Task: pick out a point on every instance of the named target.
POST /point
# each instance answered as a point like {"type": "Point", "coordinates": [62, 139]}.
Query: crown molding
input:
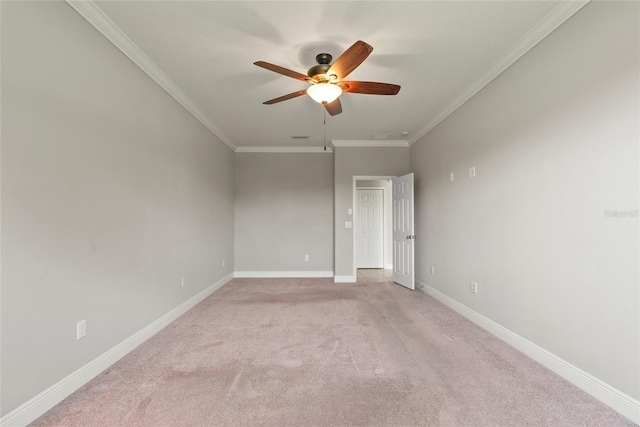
{"type": "Point", "coordinates": [96, 17]}
{"type": "Point", "coordinates": [254, 149]}
{"type": "Point", "coordinates": [562, 12]}
{"type": "Point", "coordinates": [370, 143]}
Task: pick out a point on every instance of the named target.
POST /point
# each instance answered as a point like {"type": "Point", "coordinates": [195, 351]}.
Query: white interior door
{"type": "Point", "coordinates": [370, 229]}
{"type": "Point", "coordinates": [403, 237]}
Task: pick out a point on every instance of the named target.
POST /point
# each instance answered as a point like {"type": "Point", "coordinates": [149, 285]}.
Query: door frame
{"type": "Point", "coordinates": [354, 193]}
{"type": "Point", "coordinates": [384, 223]}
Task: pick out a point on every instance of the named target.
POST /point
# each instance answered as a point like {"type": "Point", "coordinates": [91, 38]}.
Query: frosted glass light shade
{"type": "Point", "coordinates": [324, 92]}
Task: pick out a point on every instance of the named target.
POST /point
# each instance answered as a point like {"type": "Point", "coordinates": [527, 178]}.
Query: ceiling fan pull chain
{"type": "Point", "coordinates": [324, 112]}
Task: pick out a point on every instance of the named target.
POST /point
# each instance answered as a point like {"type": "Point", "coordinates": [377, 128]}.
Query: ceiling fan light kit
{"type": "Point", "coordinates": [324, 92]}
{"type": "Point", "coordinates": [326, 78]}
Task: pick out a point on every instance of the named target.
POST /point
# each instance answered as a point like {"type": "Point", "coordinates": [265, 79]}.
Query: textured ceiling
{"type": "Point", "coordinates": [436, 50]}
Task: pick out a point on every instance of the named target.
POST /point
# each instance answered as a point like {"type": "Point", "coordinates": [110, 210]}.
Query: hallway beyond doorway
{"type": "Point", "coordinates": [375, 275]}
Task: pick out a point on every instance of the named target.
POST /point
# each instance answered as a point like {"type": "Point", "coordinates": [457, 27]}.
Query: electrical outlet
{"type": "Point", "coordinates": [223, 262]}
{"type": "Point", "coordinates": [473, 287]}
{"type": "Point", "coordinates": [81, 329]}
{"type": "Point", "coordinates": [433, 271]}
{"type": "Point", "coordinates": [306, 257]}
{"type": "Point", "coordinates": [183, 281]}
{"type": "Point", "coordinates": [472, 172]}
{"type": "Point", "coordinates": [451, 177]}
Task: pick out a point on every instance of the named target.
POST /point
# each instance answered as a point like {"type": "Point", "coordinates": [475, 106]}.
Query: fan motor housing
{"type": "Point", "coordinates": [324, 63]}
{"type": "Point", "coordinates": [318, 70]}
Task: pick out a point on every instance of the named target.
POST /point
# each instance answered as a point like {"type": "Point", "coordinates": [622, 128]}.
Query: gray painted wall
{"type": "Point", "coordinates": [284, 205]}
{"type": "Point", "coordinates": [359, 161]}
{"type": "Point", "coordinates": [555, 143]}
{"type": "Point", "coordinates": [111, 192]}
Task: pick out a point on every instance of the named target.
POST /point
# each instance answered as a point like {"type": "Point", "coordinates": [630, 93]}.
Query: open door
{"type": "Point", "coordinates": [403, 237]}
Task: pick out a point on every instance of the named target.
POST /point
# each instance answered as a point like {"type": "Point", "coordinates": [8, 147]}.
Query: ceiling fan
{"type": "Point", "coordinates": [327, 79]}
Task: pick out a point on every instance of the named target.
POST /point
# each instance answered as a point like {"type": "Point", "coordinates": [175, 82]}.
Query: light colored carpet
{"type": "Point", "coordinates": [308, 352]}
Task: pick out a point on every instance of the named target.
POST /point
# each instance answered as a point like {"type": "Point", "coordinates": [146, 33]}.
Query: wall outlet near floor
{"type": "Point", "coordinates": [451, 177]}
{"type": "Point", "coordinates": [306, 257]}
{"type": "Point", "coordinates": [183, 281]}
{"type": "Point", "coordinates": [472, 172]}
{"type": "Point", "coordinates": [473, 287]}
{"type": "Point", "coordinates": [223, 262]}
{"type": "Point", "coordinates": [433, 271]}
{"type": "Point", "coordinates": [81, 329]}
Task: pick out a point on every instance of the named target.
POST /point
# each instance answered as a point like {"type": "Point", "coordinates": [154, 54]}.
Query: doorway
{"type": "Point", "coordinates": [370, 227]}
{"type": "Point", "coordinates": [400, 212]}
{"type": "Point", "coordinates": [377, 225]}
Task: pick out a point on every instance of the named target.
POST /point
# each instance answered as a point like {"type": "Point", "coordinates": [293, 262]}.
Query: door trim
{"type": "Point", "coordinates": [354, 193]}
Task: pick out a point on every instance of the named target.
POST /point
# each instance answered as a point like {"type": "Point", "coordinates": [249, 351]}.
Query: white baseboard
{"type": "Point", "coordinates": [619, 401]}
{"type": "Point", "coordinates": [37, 406]}
{"type": "Point", "coordinates": [270, 274]}
{"type": "Point", "coordinates": [344, 279]}
{"type": "Point", "coordinates": [388, 266]}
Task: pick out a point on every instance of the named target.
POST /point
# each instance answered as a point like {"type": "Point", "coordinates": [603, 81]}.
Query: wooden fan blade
{"type": "Point", "coordinates": [281, 70]}
{"type": "Point", "coordinates": [350, 60]}
{"type": "Point", "coordinates": [335, 107]}
{"type": "Point", "coordinates": [285, 97]}
{"type": "Point", "coordinates": [370, 88]}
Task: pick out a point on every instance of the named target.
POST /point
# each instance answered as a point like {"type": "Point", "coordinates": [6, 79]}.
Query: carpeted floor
{"type": "Point", "coordinates": [308, 352]}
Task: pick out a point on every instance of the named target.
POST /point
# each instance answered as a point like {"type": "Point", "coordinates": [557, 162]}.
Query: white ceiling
{"type": "Point", "coordinates": [440, 52]}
